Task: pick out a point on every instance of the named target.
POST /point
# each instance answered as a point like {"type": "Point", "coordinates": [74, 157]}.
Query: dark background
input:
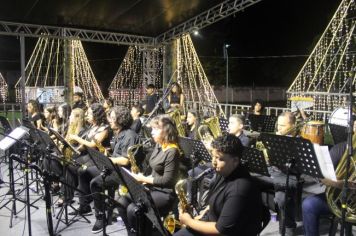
{"type": "Point", "coordinates": [270, 41]}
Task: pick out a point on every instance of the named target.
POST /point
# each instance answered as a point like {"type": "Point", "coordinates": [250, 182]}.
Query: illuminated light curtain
{"type": "Point", "coordinates": [3, 89]}
{"type": "Point", "coordinates": [192, 78]}
{"type": "Point", "coordinates": [45, 72]}
{"type": "Point", "coordinates": [138, 68]}
{"type": "Point", "coordinates": [331, 63]}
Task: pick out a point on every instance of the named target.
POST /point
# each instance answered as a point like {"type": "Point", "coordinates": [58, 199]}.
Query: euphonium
{"type": "Point", "coordinates": [131, 151]}
{"type": "Point", "coordinates": [333, 195]}
{"type": "Point", "coordinates": [209, 129]}
{"type": "Point", "coordinates": [176, 117]}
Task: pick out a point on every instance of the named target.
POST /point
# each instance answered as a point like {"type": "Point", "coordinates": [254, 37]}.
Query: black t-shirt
{"type": "Point", "coordinates": [235, 204]}
{"type": "Point", "coordinates": [136, 126]}
{"type": "Point", "coordinates": [175, 98]}
{"type": "Point", "coordinates": [36, 117]}
{"type": "Point", "coordinates": [150, 102]}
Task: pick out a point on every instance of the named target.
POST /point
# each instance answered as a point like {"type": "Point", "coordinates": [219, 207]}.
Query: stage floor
{"type": "Point", "coordinates": [39, 225]}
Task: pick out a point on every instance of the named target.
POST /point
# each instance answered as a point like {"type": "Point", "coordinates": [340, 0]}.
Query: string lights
{"type": "Point", "coordinates": [45, 72]}
{"type": "Point", "coordinates": [140, 67]}
{"type": "Point", "coordinates": [3, 89]}
{"type": "Point", "coordinates": [325, 74]}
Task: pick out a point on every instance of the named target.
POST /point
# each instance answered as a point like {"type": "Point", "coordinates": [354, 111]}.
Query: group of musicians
{"type": "Point", "coordinates": [233, 204]}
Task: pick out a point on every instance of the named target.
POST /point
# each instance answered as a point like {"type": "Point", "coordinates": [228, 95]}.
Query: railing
{"type": "Point", "coordinates": [244, 109]}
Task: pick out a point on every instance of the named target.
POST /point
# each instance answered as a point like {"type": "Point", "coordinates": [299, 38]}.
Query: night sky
{"type": "Point", "coordinates": [269, 42]}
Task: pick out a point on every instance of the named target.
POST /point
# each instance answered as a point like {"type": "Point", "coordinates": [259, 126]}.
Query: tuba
{"type": "Point", "coordinates": [176, 117]}
{"type": "Point", "coordinates": [131, 151]}
{"type": "Point", "coordinates": [209, 129]}
{"type": "Point", "coordinates": [333, 195]}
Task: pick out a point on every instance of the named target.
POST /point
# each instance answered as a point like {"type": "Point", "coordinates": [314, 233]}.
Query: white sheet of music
{"type": "Point", "coordinates": [325, 163]}
{"type": "Point", "coordinates": [15, 135]}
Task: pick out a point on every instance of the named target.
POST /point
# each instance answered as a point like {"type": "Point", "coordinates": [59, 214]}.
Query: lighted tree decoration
{"type": "Point", "coordinates": [139, 68]}
{"type": "Point", "coordinates": [3, 89]}
{"type": "Point", "coordinates": [331, 64]}
{"type": "Point", "coordinates": [192, 78]}
{"type": "Point", "coordinates": [45, 72]}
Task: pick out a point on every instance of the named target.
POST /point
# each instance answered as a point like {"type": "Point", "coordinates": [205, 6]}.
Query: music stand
{"type": "Point", "coordinates": [290, 153]}
{"type": "Point", "coordinates": [224, 124]}
{"type": "Point", "coordinates": [254, 160]}
{"type": "Point", "coordinates": [194, 149]}
{"type": "Point", "coordinates": [141, 198]}
{"type": "Point", "coordinates": [5, 124]}
{"type": "Point", "coordinates": [63, 141]}
{"type": "Point", "coordinates": [262, 123]}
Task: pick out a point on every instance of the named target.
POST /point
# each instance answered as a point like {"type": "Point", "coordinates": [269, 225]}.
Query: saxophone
{"type": "Point", "coordinates": [100, 147]}
{"type": "Point", "coordinates": [67, 152]}
{"type": "Point", "coordinates": [131, 151]}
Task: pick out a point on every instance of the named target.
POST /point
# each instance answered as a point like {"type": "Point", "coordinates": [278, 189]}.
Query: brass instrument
{"type": "Point", "coordinates": [333, 195]}
{"type": "Point", "coordinates": [131, 151]}
{"type": "Point", "coordinates": [261, 147]}
{"type": "Point", "coordinates": [67, 152]}
{"type": "Point", "coordinates": [100, 147]}
{"type": "Point", "coordinates": [209, 129]}
{"type": "Point", "coordinates": [176, 117]}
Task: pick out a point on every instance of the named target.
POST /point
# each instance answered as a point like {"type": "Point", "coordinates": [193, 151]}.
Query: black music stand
{"type": "Point", "coordinates": [7, 129]}
{"type": "Point", "coordinates": [224, 124]}
{"type": "Point", "coordinates": [197, 152]}
{"type": "Point", "coordinates": [254, 160]}
{"type": "Point", "coordinates": [262, 123]}
{"type": "Point", "coordinates": [66, 203]}
{"type": "Point", "coordinates": [290, 153]}
{"type": "Point", "coordinates": [141, 198]}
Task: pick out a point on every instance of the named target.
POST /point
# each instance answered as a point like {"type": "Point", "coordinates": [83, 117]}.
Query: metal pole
{"type": "Point", "coordinates": [23, 76]}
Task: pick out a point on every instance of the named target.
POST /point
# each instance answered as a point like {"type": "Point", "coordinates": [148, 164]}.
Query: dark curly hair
{"type": "Point", "coordinates": [123, 117]}
{"type": "Point", "coordinates": [228, 144]}
{"type": "Point", "coordinates": [169, 129]}
{"type": "Point", "coordinates": [260, 102]}
{"type": "Point", "coordinates": [99, 114]}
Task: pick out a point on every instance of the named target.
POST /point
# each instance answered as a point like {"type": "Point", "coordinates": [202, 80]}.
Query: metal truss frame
{"type": "Point", "coordinates": [200, 21]}
{"type": "Point", "coordinates": [31, 30]}
{"type": "Point", "coordinates": [206, 18]}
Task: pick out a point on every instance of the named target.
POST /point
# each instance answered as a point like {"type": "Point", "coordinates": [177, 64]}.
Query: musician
{"type": "Point", "coordinates": [52, 119]}
{"type": "Point", "coordinates": [97, 134]}
{"type": "Point", "coordinates": [257, 107]}
{"type": "Point", "coordinates": [176, 97]}
{"type": "Point", "coordinates": [193, 124]}
{"type": "Point", "coordinates": [235, 204]}
{"type": "Point", "coordinates": [35, 114]}
{"type": "Point", "coordinates": [64, 111]}
{"type": "Point", "coordinates": [136, 113]}
{"type": "Point", "coordinates": [108, 104]}
{"type": "Point", "coordinates": [78, 101]}
{"type": "Point", "coordinates": [150, 100]}
{"type": "Point", "coordinates": [235, 127]}
{"type": "Point", "coordinates": [91, 180]}
{"type": "Point", "coordinates": [314, 207]}
{"type": "Point", "coordinates": [164, 163]}
{"type": "Point", "coordinates": [285, 126]}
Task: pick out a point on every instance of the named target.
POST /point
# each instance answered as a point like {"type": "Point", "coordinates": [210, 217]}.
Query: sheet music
{"type": "Point", "coordinates": [15, 135]}
{"type": "Point", "coordinates": [325, 163]}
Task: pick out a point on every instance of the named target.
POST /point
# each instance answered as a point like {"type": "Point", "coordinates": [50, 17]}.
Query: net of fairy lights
{"type": "Point", "coordinates": [45, 72]}
{"type": "Point", "coordinates": [193, 80]}
{"type": "Point", "coordinates": [130, 81]}
{"type": "Point", "coordinates": [3, 89]}
{"type": "Point", "coordinates": [325, 75]}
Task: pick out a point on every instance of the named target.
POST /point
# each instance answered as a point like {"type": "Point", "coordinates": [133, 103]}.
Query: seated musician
{"type": "Point", "coordinates": [235, 205]}
{"type": "Point", "coordinates": [193, 124]}
{"type": "Point", "coordinates": [236, 125]}
{"type": "Point", "coordinates": [176, 97]}
{"type": "Point", "coordinates": [64, 111]}
{"type": "Point", "coordinates": [257, 107]}
{"type": "Point", "coordinates": [285, 126]}
{"type": "Point", "coordinates": [97, 135]}
{"type": "Point", "coordinates": [136, 113]}
{"type": "Point", "coordinates": [164, 163]}
{"type": "Point", "coordinates": [91, 181]}
{"type": "Point", "coordinates": [51, 118]}
{"type": "Point", "coordinates": [314, 207]}
{"type": "Point", "coordinates": [78, 101]}
{"type": "Point", "coordinates": [35, 114]}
